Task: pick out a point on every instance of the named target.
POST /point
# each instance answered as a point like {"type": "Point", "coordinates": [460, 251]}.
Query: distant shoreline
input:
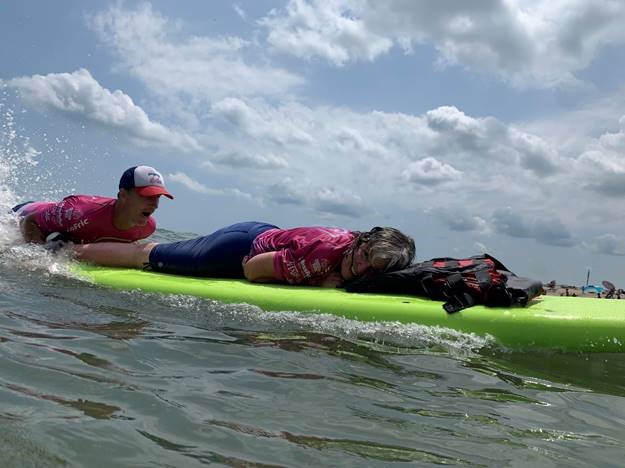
{"type": "Point", "coordinates": [575, 292]}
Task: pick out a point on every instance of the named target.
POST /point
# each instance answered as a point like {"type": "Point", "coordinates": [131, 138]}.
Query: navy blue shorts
{"type": "Point", "coordinates": [16, 208]}
{"type": "Point", "coordinates": [218, 254]}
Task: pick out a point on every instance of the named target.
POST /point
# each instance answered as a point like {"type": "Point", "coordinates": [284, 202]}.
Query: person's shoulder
{"type": "Point", "coordinates": [335, 231]}
{"type": "Point", "coordinates": [90, 200]}
{"type": "Point", "coordinates": [26, 209]}
{"type": "Point", "coordinates": [315, 230]}
{"type": "Point", "coordinates": [319, 234]}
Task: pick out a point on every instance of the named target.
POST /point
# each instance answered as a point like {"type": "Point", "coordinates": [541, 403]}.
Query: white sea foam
{"type": "Point", "coordinates": [388, 336]}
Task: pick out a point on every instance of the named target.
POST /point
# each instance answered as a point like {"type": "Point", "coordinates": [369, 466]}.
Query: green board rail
{"type": "Point", "coordinates": [549, 322]}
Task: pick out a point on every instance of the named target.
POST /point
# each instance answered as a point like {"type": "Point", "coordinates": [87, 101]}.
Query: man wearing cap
{"type": "Point", "coordinates": [84, 219]}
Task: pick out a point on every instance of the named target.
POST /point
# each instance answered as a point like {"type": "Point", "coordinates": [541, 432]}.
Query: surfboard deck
{"type": "Point", "coordinates": [553, 322]}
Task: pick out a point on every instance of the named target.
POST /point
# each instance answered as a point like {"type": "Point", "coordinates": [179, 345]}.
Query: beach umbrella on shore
{"type": "Point", "coordinates": [609, 286]}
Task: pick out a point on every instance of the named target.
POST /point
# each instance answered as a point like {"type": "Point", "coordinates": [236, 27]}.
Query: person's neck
{"type": "Point", "coordinates": [120, 221]}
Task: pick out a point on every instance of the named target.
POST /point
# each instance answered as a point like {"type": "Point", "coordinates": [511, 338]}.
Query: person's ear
{"type": "Point", "coordinates": [122, 194]}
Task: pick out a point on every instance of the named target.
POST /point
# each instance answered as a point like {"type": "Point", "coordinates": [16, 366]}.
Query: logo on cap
{"type": "Point", "coordinates": [155, 178]}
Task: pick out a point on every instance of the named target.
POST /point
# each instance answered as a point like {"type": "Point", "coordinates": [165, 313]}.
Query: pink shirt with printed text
{"type": "Point", "coordinates": [304, 254]}
{"type": "Point", "coordinates": [86, 219]}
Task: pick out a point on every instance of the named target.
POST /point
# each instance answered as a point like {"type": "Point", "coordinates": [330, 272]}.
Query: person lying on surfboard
{"type": "Point", "coordinates": [87, 218]}
{"type": "Point", "coordinates": [264, 253]}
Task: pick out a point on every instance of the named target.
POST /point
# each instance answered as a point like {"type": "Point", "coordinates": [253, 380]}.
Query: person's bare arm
{"type": "Point", "coordinates": [114, 254]}
{"type": "Point", "coordinates": [332, 280]}
{"type": "Point", "coordinates": [31, 232]}
{"type": "Point", "coordinates": [260, 269]}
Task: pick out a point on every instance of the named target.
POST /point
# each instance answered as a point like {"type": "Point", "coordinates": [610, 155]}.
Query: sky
{"type": "Point", "coordinates": [491, 126]}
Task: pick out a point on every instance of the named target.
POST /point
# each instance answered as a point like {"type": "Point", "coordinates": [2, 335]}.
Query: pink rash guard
{"type": "Point", "coordinates": [304, 254]}
{"type": "Point", "coordinates": [85, 219]}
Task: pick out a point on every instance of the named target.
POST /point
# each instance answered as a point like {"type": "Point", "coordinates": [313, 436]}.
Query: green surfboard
{"type": "Point", "coordinates": [549, 322]}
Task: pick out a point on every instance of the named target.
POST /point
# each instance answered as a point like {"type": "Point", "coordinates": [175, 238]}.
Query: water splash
{"type": "Point", "coordinates": [16, 152]}
{"type": "Point", "coordinates": [385, 336]}
{"type": "Point", "coordinates": [34, 157]}
{"type": "Point", "coordinates": [17, 157]}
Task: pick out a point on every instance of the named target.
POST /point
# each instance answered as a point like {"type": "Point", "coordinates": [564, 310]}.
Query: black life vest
{"type": "Point", "coordinates": [460, 283]}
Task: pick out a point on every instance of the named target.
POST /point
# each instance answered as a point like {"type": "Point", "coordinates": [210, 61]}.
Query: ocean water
{"type": "Point", "coordinates": [95, 377]}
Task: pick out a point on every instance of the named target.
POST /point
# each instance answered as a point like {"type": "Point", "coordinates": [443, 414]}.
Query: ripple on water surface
{"type": "Point", "coordinates": [94, 377]}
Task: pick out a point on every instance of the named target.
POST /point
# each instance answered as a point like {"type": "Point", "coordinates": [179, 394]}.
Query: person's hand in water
{"type": "Point", "coordinates": [55, 242]}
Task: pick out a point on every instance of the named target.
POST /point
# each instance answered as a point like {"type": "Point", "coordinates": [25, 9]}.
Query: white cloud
{"type": "Point", "coordinates": [246, 159]}
{"type": "Point", "coordinates": [391, 155]}
{"type": "Point", "coordinates": [614, 141]}
{"type": "Point", "coordinates": [339, 201]}
{"type": "Point", "coordinates": [79, 93]}
{"type": "Point", "coordinates": [542, 43]}
{"type": "Point", "coordinates": [547, 230]}
{"type": "Point", "coordinates": [287, 192]}
{"type": "Point", "coordinates": [609, 244]}
{"type": "Point", "coordinates": [430, 171]}
{"type": "Point", "coordinates": [533, 152]}
{"type": "Point", "coordinates": [198, 187]}
{"type": "Point", "coordinates": [513, 222]}
{"type": "Point", "coordinates": [322, 199]}
{"type": "Point", "coordinates": [188, 182]}
{"type": "Point", "coordinates": [323, 28]}
{"type": "Point", "coordinates": [354, 139]}
{"type": "Point", "coordinates": [491, 140]}
{"type": "Point", "coordinates": [461, 220]}
{"type": "Point", "coordinates": [333, 147]}
{"type": "Point", "coordinates": [602, 168]}
{"type": "Point", "coordinates": [257, 120]}
{"type": "Point", "coordinates": [196, 69]}
{"type": "Point", "coordinates": [240, 11]}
